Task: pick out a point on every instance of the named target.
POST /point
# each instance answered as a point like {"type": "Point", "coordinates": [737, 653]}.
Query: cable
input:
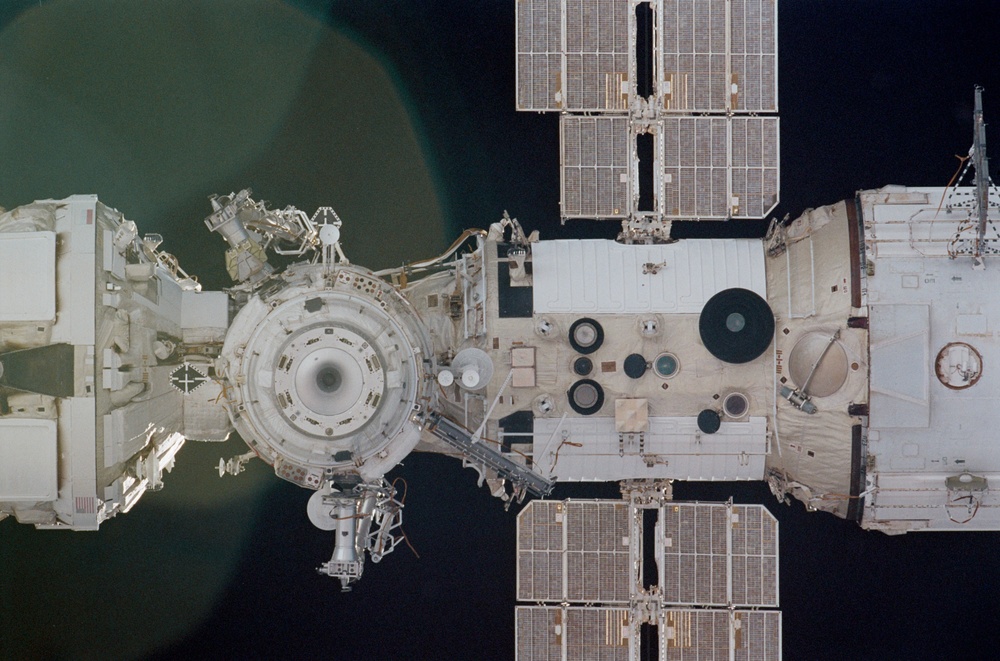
{"type": "Point", "coordinates": [955, 501]}
{"type": "Point", "coordinates": [961, 162]}
{"type": "Point", "coordinates": [555, 460]}
{"type": "Point", "coordinates": [402, 501]}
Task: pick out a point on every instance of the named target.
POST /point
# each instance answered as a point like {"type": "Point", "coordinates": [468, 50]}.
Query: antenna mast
{"type": "Point", "coordinates": [980, 162]}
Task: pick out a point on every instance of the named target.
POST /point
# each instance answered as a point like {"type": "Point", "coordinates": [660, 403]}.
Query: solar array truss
{"type": "Point", "coordinates": [711, 112]}
{"type": "Point", "coordinates": [717, 570]}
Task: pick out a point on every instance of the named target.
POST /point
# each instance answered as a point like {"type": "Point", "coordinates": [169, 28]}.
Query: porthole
{"type": "Point", "coordinates": [586, 397]}
{"type": "Point", "coordinates": [586, 335]}
{"type": "Point", "coordinates": [666, 365]}
{"type": "Point", "coordinates": [735, 405]}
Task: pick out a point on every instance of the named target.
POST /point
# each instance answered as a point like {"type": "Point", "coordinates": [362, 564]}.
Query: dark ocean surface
{"type": "Point", "coordinates": [401, 116]}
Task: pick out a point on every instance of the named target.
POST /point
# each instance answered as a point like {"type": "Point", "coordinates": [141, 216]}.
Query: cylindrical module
{"type": "Point", "coordinates": [325, 373]}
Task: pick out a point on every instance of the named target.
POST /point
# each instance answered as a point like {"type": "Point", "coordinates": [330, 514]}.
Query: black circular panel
{"type": "Point", "coordinates": [735, 405]}
{"type": "Point", "coordinates": [709, 421]}
{"type": "Point", "coordinates": [583, 366]}
{"type": "Point", "coordinates": [635, 366]}
{"type": "Point", "coordinates": [736, 325]}
{"type": "Point", "coordinates": [586, 397]}
{"type": "Point", "coordinates": [586, 335]}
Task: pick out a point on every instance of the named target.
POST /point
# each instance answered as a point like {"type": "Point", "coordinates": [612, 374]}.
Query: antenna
{"type": "Point", "coordinates": [977, 202]}
{"type": "Point", "coordinates": [981, 163]}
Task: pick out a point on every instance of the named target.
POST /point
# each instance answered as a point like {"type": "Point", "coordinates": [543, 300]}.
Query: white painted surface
{"type": "Point", "coordinates": [28, 274]}
{"type": "Point", "coordinates": [204, 315]}
{"type": "Point", "coordinates": [922, 432]}
{"type": "Point", "coordinates": [588, 450]}
{"type": "Point", "coordinates": [28, 460]}
{"type": "Point", "coordinates": [604, 277]}
{"type": "Point", "coordinates": [900, 366]}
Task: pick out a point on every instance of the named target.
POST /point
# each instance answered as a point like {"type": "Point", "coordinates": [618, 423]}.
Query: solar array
{"type": "Point", "coordinates": [595, 171]}
{"type": "Point", "coordinates": [555, 633]}
{"type": "Point", "coordinates": [711, 111]}
{"type": "Point", "coordinates": [709, 635]}
{"type": "Point", "coordinates": [573, 55]}
{"type": "Point", "coordinates": [579, 567]}
{"type": "Point", "coordinates": [719, 555]}
{"type": "Point", "coordinates": [711, 61]}
{"type": "Point", "coordinates": [573, 551]}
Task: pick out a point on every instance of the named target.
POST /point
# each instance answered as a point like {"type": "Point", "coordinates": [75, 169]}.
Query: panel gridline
{"type": "Point", "coordinates": [597, 567]}
{"type": "Point", "coordinates": [595, 166]}
{"type": "Point", "coordinates": [596, 634]}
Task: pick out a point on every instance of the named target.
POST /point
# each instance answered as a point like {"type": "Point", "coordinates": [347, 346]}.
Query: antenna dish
{"type": "Point", "coordinates": [474, 366]}
{"type": "Point", "coordinates": [446, 378]}
{"type": "Point", "coordinates": [736, 325]}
